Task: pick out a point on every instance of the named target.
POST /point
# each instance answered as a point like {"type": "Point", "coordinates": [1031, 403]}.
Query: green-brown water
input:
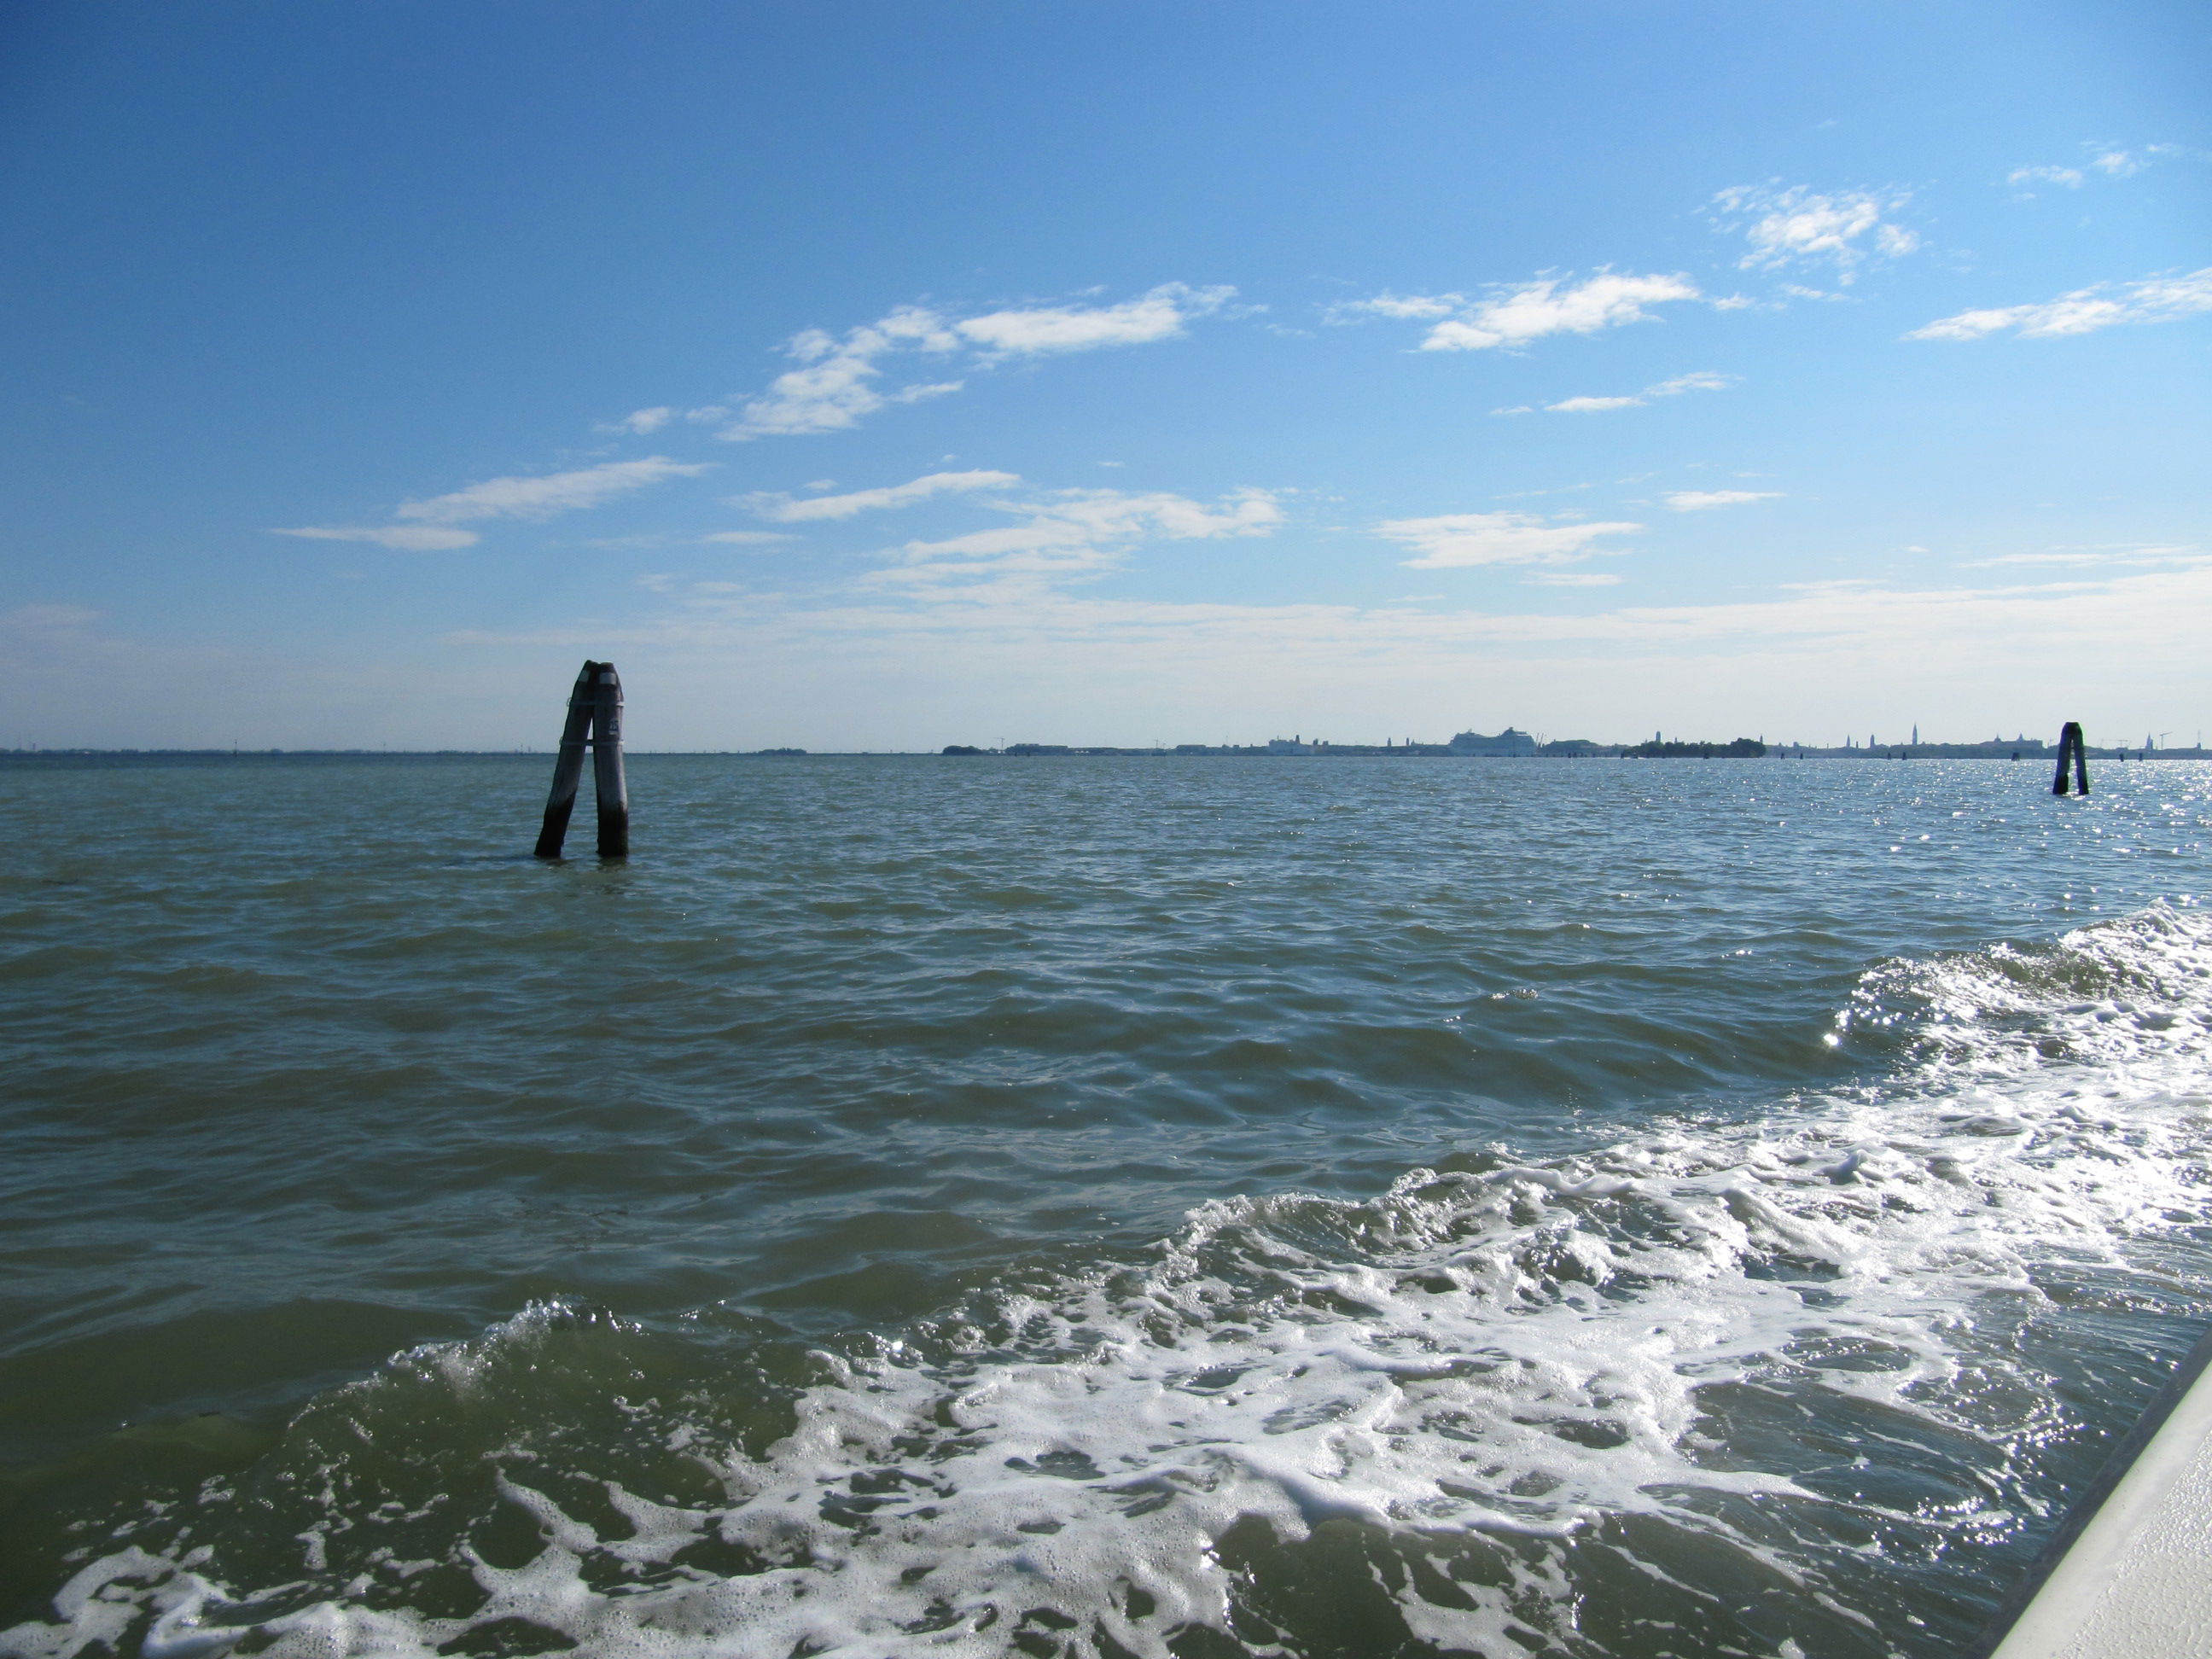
{"type": "Point", "coordinates": [1083, 1206]}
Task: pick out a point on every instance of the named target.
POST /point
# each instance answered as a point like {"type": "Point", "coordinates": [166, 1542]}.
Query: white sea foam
{"type": "Point", "coordinates": [1505, 1354]}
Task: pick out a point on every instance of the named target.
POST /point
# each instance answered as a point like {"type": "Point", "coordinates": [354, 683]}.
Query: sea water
{"type": "Point", "coordinates": [1084, 1206]}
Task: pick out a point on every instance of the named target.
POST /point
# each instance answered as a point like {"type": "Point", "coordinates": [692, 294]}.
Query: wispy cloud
{"type": "Point", "coordinates": [2132, 555]}
{"type": "Point", "coordinates": [785, 509]}
{"type": "Point", "coordinates": [544, 495]}
{"type": "Point", "coordinates": [1511, 315]}
{"type": "Point", "coordinates": [2112, 161]}
{"type": "Point", "coordinates": [1049, 330]}
{"type": "Point", "coordinates": [833, 387]}
{"type": "Point", "coordinates": [838, 381]}
{"type": "Point", "coordinates": [1417, 308]}
{"type": "Point", "coordinates": [1698, 501]}
{"type": "Point", "coordinates": [401, 537]}
{"type": "Point", "coordinates": [746, 539]}
{"type": "Point", "coordinates": [1674, 388]}
{"type": "Point", "coordinates": [1455, 540]}
{"type": "Point", "coordinates": [1588, 405]}
{"type": "Point", "coordinates": [1798, 225]}
{"type": "Point", "coordinates": [1514, 316]}
{"type": "Point", "coordinates": [2155, 299]}
{"type": "Point", "coordinates": [1077, 532]}
{"type": "Point", "coordinates": [643, 420]}
{"type": "Point", "coordinates": [538, 497]}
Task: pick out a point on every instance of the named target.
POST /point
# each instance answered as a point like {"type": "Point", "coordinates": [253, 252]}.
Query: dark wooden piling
{"type": "Point", "coordinates": [607, 779]}
{"type": "Point", "coordinates": [2071, 747]}
{"type": "Point", "coordinates": [568, 765]}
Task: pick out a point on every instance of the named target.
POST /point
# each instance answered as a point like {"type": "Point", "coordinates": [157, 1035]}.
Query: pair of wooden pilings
{"type": "Point", "coordinates": [594, 718]}
{"type": "Point", "coordinates": [2071, 747]}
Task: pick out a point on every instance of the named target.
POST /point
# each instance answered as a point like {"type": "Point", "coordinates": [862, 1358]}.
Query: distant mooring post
{"type": "Point", "coordinates": [2071, 747]}
{"type": "Point", "coordinates": [594, 718]}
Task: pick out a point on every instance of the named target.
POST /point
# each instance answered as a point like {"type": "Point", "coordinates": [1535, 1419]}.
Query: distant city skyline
{"type": "Point", "coordinates": [1510, 741]}
{"type": "Point", "coordinates": [874, 377]}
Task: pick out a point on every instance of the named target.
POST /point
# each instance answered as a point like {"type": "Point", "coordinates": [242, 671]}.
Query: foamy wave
{"type": "Point", "coordinates": [1494, 1368]}
{"type": "Point", "coordinates": [2118, 992]}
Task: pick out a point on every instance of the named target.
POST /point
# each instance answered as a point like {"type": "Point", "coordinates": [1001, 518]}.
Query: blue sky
{"type": "Point", "coordinates": [881, 376]}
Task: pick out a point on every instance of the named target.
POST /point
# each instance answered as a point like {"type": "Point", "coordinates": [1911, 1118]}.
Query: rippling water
{"type": "Point", "coordinates": [1084, 1207]}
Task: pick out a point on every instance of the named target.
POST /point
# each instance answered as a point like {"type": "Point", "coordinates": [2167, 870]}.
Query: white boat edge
{"type": "Point", "coordinates": [2129, 1575]}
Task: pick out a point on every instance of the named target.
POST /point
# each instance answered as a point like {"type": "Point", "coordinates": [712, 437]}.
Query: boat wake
{"type": "Point", "coordinates": [1733, 1385]}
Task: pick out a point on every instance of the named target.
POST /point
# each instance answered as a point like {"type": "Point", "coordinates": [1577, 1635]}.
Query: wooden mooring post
{"type": "Point", "coordinates": [607, 781]}
{"type": "Point", "coordinates": [594, 718]}
{"type": "Point", "coordinates": [2071, 747]}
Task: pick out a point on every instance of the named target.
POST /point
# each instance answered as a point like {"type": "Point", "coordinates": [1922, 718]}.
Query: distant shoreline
{"type": "Point", "coordinates": [90, 759]}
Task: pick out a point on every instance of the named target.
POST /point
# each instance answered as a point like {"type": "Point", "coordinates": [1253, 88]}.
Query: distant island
{"type": "Point", "coordinates": [1508, 745]}
{"type": "Point", "coordinates": [1513, 745]}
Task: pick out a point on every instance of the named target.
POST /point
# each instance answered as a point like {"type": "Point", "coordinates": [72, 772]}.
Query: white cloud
{"type": "Point", "coordinates": [1697, 500]}
{"type": "Point", "coordinates": [405, 538]}
{"type": "Point", "coordinates": [836, 383]}
{"type": "Point", "coordinates": [516, 497]}
{"type": "Point", "coordinates": [1592, 405]}
{"type": "Point", "coordinates": [2112, 161]}
{"type": "Point", "coordinates": [1572, 579]}
{"type": "Point", "coordinates": [2117, 163]}
{"type": "Point", "coordinates": [643, 420]}
{"type": "Point", "coordinates": [542, 496]}
{"type": "Point", "coordinates": [2131, 556]}
{"type": "Point", "coordinates": [784, 510]}
{"type": "Point", "coordinates": [914, 394]}
{"type": "Point", "coordinates": [831, 388]}
{"type": "Point", "coordinates": [1798, 225]}
{"type": "Point", "coordinates": [1071, 534]}
{"type": "Point", "coordinates": [1700, 381]}
{"type": "Point", "coordinates": [745, 537]}
{"type": "Point", "coordinates": [1415, 306]}
{"type": "Point", "coordinates": [1514, 316]}
{"type": "Point", "coordinates": [1454, 540]}
{"type": "Point", "coordinates": [1157, 315]}
{"type": "Point", "coordinates": [2155, 299]}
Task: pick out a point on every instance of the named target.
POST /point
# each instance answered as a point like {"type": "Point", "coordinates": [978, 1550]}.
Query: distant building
{"type": "Point", "coordinates": [1289, 746]}
{"type": "Point", "coordinates": [1507, 743]}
